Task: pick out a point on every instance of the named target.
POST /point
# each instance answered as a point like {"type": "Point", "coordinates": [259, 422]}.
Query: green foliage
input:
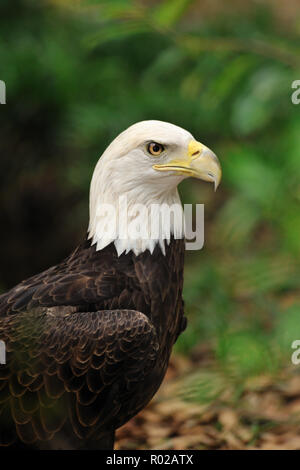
{"type": "Point", "coordinates": [169, 12]}
{"type": "Point", "coordinates": [202, 386]}
{"type": "Point", "coordinates": [245, 353]}
{"type": "Point", "coordinates": [287, 330]}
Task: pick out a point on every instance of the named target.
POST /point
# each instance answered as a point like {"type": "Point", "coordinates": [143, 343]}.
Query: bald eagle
{"type": "Point", "coordinates": [88, 341]}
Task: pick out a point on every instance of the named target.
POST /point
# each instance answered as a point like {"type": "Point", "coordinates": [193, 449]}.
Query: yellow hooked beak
{"type": "Point", "coordinates": [200, 162]}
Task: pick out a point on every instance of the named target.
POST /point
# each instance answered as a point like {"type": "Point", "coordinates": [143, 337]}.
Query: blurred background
{"type": "Point", "coordinates": [77, 73]}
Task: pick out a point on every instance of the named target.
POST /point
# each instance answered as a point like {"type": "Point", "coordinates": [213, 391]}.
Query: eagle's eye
{"type": "Point", "coordinates": [155, 149]}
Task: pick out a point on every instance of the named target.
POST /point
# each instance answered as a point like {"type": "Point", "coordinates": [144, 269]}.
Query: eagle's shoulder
{"type": "Point", "coordinates": [89, 280]}
{"type": "Point", "coordinates": [80, 279]}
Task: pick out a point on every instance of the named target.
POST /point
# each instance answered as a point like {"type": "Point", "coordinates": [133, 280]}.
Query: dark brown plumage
{"type": "Point", "coordinates": [88, 343]}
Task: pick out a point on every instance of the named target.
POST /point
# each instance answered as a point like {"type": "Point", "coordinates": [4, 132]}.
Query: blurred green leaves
{"type": "Point", "coordinates": [202, 386]}
{"type": "Point", "coordinates": [259, 102]}
{"type": "Point", "coordinates": [287, 330]}
{"type": "Point", "coordinates": [245, 353]}
{"type": "Point", "coordinates": [169, 12]}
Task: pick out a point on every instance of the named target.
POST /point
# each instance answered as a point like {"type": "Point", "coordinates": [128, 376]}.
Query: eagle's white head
{"type": "Point", "coordinates": [135, 184]}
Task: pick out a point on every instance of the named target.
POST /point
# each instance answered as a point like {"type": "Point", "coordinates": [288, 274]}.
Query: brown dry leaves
{"type": "Point", "coordinates": [265, 415]}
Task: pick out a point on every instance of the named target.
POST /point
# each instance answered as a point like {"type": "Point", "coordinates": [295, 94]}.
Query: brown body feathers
{"type": "Point", "coordinates": [88, 342]}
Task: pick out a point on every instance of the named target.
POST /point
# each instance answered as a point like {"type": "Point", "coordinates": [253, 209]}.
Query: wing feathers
{"type": "Point", "coordinates": [68, 371]}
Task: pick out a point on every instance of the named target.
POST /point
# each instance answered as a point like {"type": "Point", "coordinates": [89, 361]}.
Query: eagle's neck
{"type": "Point", "coordinates": [137, 220]}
